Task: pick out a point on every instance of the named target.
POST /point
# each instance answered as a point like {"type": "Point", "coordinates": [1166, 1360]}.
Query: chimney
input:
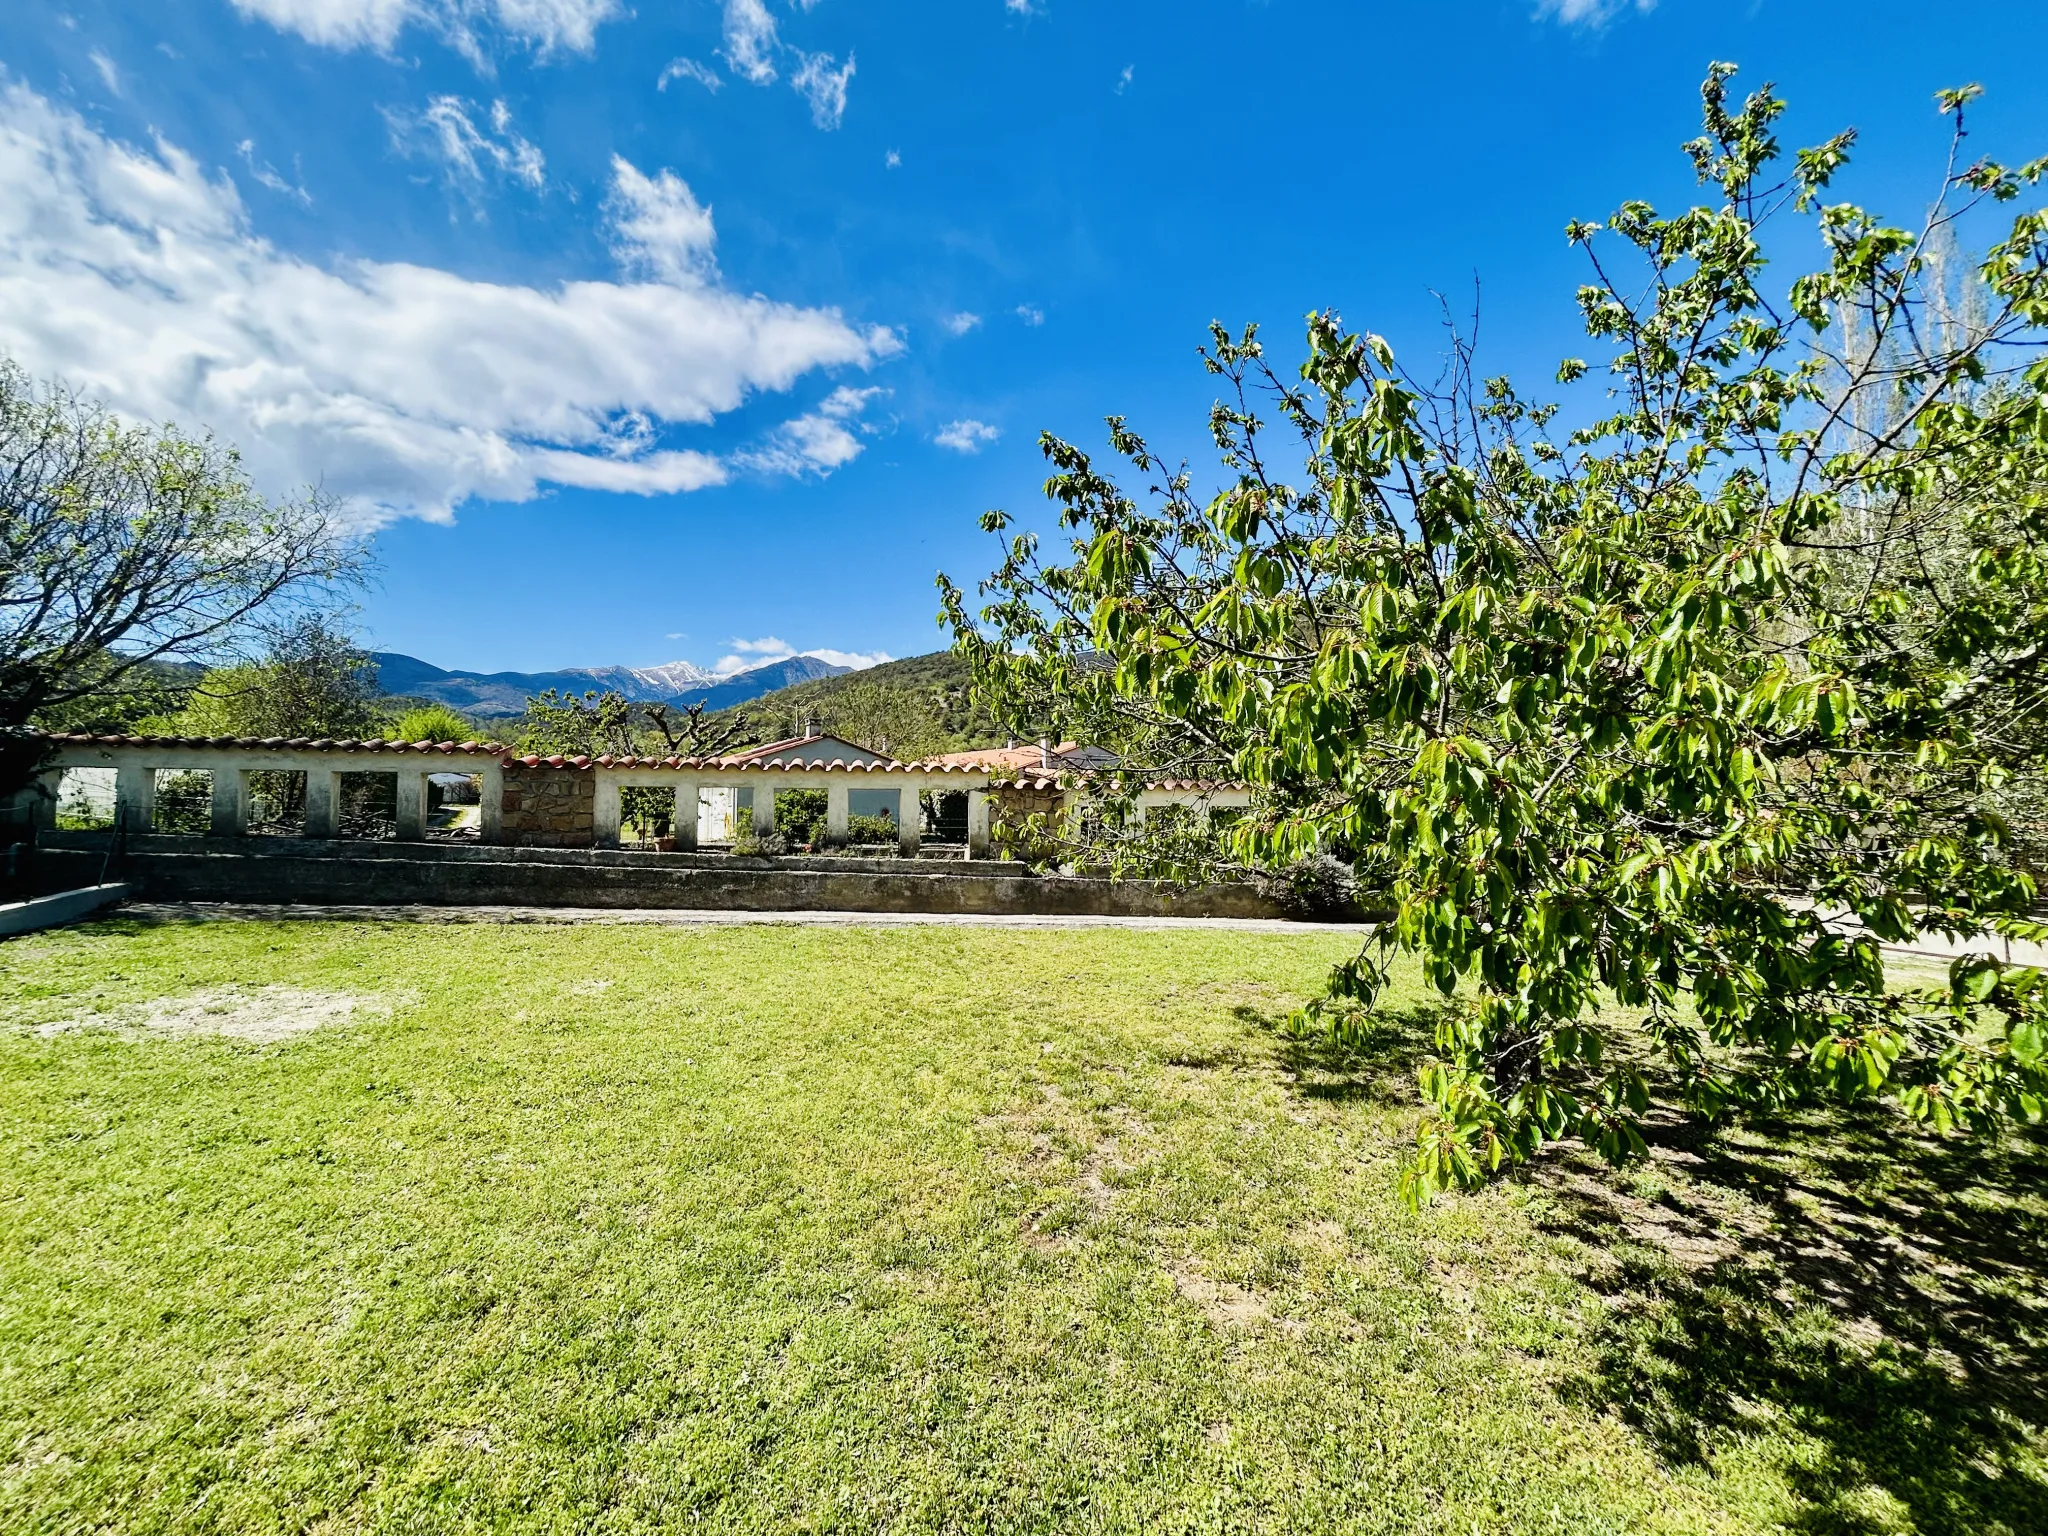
{"type": "Point", "coordinates": [1045, 751]}
{"type": "Point", "coordinates": [1012, 746]}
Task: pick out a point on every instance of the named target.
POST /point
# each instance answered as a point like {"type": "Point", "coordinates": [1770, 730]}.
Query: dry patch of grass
{"type": "Point", "coordinates": [258, 1015]}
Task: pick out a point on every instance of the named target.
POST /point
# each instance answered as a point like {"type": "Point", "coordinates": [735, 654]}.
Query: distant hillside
{"type": "Point", "coordinates": [503, 695]}
{"type": "Point", "coordinates": [915, 707]}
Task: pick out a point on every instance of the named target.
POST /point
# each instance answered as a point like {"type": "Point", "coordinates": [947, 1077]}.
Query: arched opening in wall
{"type": "Point", "coordinates": [85, 799]}
{"type": "Point", "coordinates": [277, 803]}
{"type": "Point", "coordinates": [184, 802]}
{"type": "Point", "coordinates": [367, 805]}
{"type": "Point", "coordinates": [455, 807]}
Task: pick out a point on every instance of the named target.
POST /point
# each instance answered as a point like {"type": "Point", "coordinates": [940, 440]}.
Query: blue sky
{"type": "Point", "coordinates": [705, 329]}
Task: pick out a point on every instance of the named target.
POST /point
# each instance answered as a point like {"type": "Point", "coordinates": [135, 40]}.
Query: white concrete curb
{"type": "Point", "coordinates": [64, 907]}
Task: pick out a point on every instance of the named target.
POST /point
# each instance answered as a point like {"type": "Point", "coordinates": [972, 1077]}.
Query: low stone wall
{"type": "Point", "coordinates": [292, 870]}
{"type": "Point", "coordinates": [549, 807]}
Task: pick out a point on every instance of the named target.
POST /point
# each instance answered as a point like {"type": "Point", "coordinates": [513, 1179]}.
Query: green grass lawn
{"type": "Point", "coordinates": [614, 1228]}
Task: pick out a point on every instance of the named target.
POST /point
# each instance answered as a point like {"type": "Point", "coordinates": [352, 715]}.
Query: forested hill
{"type": "Point", "coordinates": [912, 708]}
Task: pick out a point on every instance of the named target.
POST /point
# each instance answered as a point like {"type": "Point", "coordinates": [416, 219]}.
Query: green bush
{"type": "Point", "coordinates": [870, 829]}
{"type": "Point", "coordinates": [435, 722]}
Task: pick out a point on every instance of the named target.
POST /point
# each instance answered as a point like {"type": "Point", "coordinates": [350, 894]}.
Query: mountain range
{"type": "Point", "coordinates": [492, 695]}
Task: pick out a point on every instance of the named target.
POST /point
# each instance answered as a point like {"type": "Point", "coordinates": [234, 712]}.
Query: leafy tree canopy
{"type": "Point", "coordinates": [594, 724]}
{"type": "Point", "coordinates": [310, 680]}
{"type": "Point", "coordinates": [1688, 706]}
{"type": "Point", "coordinates": [125, 548]}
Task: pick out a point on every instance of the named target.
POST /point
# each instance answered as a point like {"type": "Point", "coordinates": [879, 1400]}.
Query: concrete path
{"type": "Point", "coordinates": [1927, 947]}
{"type": "Point", "coordinates": [214, 912]}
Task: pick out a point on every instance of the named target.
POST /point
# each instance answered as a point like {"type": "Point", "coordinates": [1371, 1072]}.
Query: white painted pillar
{"type": "Point", "coordinates": [490, 793]}
{"type": "Point", "coordinates": [412, 805]}
{"type": "Point", "coordinates": [135, 799]}
{"type": "Point", "coordinates": [977, 824]}
{"type": "Point", "coordinates": [323, 803]}
{"type": "Point", "coordinates": [230, 802]}
{"type": "Point", "coordinates": [764, 809]}
{"type": "Point", "coordinates": [687, 810]}
{"type": "Point", "coordinates": [909, 821]}
{"type": "Point", "coordinates": [835, 814]}
{"type": "Point", "coordinates": [604, 811]}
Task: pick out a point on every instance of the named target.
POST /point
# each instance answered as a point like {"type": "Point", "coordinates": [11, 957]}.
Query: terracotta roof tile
{"type": "Point", "coordinates": [280, 743]}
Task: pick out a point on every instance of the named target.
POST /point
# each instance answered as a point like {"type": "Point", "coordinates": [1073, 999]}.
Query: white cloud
{"type": "Point", "coordinates": [108, 73]}
{"type": "Point", "coordinates": [402, 389]}
{"type": "Point", "coordinates": [823, 87]}
{"type": "Point", "coordinates": [748, 654]}
{"type": "Point", "coordinates": [1589, 13]}
{"type": "Point", "coordinates": [892, 160]}
{"type": "Point", "coordinates": [1031, 314]}
{"type": "Point", "coordinates": [267, 175]}
{"type": "Point", "coordinates": [859, 661]}
{"type": "Point", "coordinates": [967, 436]}
{"type": "Point", "coordinates": [689, 69]}
{"type": "Point", "coordinates": [816, 442]}
{"type": "Point", "coordinates": [659, 227]}
{"type": "Point", "coordinates": [1020, 7]}
{"type": "Point", "coordinates": [446, 130]}
{"type": "Point", "coordinates": [751, 42]}
{"type": "Point", "coordinates": [1123, 80]}
{"type": "Point", "coordinates": [547, 25]}
{"type": "Point", "coordinates": [961, 323]}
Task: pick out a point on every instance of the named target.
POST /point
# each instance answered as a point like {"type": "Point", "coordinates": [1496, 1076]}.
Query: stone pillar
{"type": "Point", "coordinates": [686, 816]}
{"type": "Point", "coordinates": [323, 803]}
{"type": "Point", "coordinates": [604, 811]}
{"type": "Point", "coordinates": [764, 809]}
{"type": "Point", "coordinates": [909, 821]}
{"type": "Point", "coordinates": [835, 814]}
{"type": "Point", "coordinates": [135, 799]}
{"type": "Point", "coordinates": [490, 794]}
{"type": "Point", "coordinates": [230, 802]}
{"type": "Point", "coordinates": [977, 824]}
{"type": "Point", "coordinates": [412, 805]}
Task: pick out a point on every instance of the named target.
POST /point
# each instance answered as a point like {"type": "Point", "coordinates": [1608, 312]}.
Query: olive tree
{"type": "Point", "coordinates": [1687, 702]}
{"type": "Point", "coordinates": [125, 547]}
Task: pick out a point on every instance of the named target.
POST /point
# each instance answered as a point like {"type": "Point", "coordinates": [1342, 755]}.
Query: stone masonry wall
{"type": "Point", "coordinates": [549, 807]}
{"type": "Point", "coordinates": [1008, 809]}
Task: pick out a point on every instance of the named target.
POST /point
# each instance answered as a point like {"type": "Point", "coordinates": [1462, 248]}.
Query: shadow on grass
{"type": "Point", "coordinates": [1873, 1298]}
{"type": "Point", "coordinates": [1376, 1065]}
{"type": "Point", "coordinates": [1878, 1294]}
